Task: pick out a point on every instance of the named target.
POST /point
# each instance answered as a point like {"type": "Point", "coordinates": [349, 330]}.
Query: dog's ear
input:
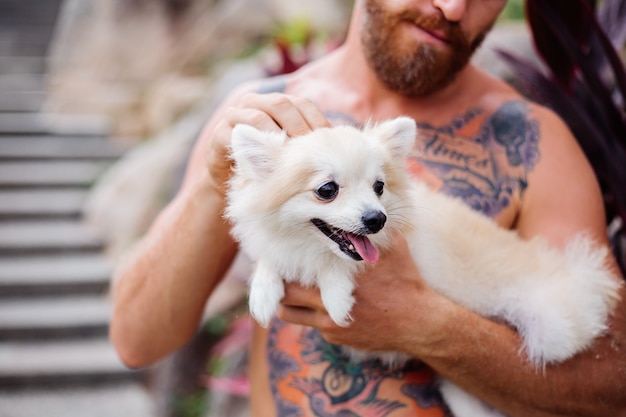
{"type": "Point", "coordinates": [398, 134]}
{"type": "Point", "coordinates": [255, 151]}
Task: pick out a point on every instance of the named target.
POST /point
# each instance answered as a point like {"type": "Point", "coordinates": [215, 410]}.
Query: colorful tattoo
{"type": "Point", "coordinates": [484, 168]}
{"type": "Point", "coordinates": [316, 376]}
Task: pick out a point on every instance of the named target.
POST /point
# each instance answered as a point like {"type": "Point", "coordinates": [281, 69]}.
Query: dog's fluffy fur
{"type": "Point", "coordinates": [290, 217]}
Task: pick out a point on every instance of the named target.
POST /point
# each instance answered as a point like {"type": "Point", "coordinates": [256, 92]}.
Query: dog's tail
{"type": "Point", "coordinates": [572, 309]}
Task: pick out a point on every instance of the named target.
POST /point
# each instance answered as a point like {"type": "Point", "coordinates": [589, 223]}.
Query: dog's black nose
{"type": "Point", "coordinates": [374, 220]}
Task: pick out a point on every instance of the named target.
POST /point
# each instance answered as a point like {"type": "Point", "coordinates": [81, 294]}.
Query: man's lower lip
{"type": "Point", "coordinates": [431, 35]}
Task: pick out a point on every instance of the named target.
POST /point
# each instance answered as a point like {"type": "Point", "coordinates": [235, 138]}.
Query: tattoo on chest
{"type": "Point", "coordinates": [486, 168]}
{"type": "Point", "coordinates": [482, 159]}
{"type": "Point", "coordinates": [486, 165]}
{"type": "Point", "coordinates": [332, 386]}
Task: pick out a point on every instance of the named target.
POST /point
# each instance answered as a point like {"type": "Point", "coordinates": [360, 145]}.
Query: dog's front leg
{"type": "Point", "coordinates": [463, 404]}
{"type": "Point", "coordinates": [336, 291]}
{"type": "Point", "coordinates": [266, 291]}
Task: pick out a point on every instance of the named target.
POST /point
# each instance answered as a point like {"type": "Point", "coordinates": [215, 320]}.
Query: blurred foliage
{"type": "Point", "coordinates": [294, 32]}
{"type": "Point", "coordinates": [514, 10]}
{"type": "Point", "coordinates": [191, 405]}
{"type": "Point", "coordinates": [293, 41]}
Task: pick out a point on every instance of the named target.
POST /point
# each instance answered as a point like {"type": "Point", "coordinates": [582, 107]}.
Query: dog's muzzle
{"type": "Point", "coordinates": [356, 246]}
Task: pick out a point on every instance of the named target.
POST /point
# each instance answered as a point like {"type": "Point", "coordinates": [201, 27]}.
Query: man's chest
{"type": "Point", "coordinates": [479, 174]}
{"type": "Point", "coordinates": [480, 157]}
{"type": "Point", "coordinates": [308, 377]}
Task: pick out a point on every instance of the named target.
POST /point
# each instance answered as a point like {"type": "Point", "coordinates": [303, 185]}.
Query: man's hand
{"type": "Point", "coordinates": [392, 311]}
{"type": "Point", "coordinates": [268, 112]}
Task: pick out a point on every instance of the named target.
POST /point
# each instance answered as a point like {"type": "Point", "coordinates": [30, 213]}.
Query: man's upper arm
{"type": "Point", "coordinates": [563, 197]}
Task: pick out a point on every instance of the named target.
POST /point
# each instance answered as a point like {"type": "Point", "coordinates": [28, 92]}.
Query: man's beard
{"type": "Point", "coordinates": [423, 69]}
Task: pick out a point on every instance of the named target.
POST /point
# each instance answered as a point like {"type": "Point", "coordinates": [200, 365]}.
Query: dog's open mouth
{"type": "Point", "coordinates": [358, 247]}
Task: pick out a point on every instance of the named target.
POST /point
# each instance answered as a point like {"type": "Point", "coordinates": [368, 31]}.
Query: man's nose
{"type": "Point", "coordinates": [453, 10]}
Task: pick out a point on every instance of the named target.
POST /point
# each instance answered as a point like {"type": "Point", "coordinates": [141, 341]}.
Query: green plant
{"type": "Point", "coordinates": [513, 10]}
{"type": "Point", "coordinates": [190, 405]}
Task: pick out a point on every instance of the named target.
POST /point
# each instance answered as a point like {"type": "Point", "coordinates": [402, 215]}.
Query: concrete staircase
{"type": "Point", "coordinates": [55, 357]}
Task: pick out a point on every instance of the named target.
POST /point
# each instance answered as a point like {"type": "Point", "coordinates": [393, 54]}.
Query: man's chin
{"type": "Point", "coordinates": [420, 87]}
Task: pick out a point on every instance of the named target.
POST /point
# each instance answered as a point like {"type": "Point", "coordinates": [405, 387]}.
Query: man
{"type": "Point", "coordinates": [479, 140]}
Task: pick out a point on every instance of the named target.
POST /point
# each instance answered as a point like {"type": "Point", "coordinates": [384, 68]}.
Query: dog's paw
{"type": "Point", "coordinates": [339, 309]}
{"type": "Point", "coordinates": [264, 299]}
{"type": "Point", "coordinates": [336, 291]}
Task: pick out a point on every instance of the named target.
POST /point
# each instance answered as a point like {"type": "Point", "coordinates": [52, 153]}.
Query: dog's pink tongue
{"type": "Point", "coordinates": [364, 247]}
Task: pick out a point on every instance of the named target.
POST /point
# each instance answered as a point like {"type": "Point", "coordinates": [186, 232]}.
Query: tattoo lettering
{"type": "Point", "coordinates": [486, 169]}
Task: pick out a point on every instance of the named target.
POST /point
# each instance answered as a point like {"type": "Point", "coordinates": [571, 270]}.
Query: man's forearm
{"type": "Point", "coordinates": [161, 290]}
{"type": "Point", "coordinates": [484, 359]}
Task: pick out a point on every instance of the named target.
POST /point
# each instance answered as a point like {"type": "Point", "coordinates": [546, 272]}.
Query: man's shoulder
{"type": "Point", "coordinates": [496, 93]}
{"type": "Point", "coordinates": [506, 107]}
{"type": "Point", "coordinates": [273, 84]}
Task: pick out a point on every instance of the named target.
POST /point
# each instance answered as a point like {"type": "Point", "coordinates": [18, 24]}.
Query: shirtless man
{"type": "Point", "coordinates": [479, 140]}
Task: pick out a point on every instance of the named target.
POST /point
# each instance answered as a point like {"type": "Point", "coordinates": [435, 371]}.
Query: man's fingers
{"type": "Point", "coordinates": [310, 112]}
{"type": "Point", "coordinates": [302, 305]}
{"type": "Point", "coordinates": [298, 296]}
{"type": "Point", "coordinates": [297, 315]}
{"type": "Point", "coordinates": [253, 117]}
{"type": "Point", "coordinates": [295, 115]}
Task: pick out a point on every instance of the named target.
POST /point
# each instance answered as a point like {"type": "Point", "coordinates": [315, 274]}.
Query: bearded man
{"type": "Point", "coordinates": [479, 141]}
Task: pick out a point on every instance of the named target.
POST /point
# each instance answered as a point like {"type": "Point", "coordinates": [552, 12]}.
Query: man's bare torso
{"type": "Point", "coordinates": [481, 153]}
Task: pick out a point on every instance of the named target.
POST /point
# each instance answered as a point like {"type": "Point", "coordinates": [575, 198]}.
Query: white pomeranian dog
{"type": "Point", "coordinates": [315, 208]}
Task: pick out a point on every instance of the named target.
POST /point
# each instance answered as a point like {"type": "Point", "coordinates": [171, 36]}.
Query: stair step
{"type": "Point", "coordinates": [37, 204]}
{"type": "Point", "coordinates": [29, 364]}
{"type": "Point", "coordinates": [20, 33]}
{"type": "Point", "coordinates": [50, 173]}
{"type": "Point", "coordinates": [41, 318]}
{"type": "Point", "coordinates": [25, 40]}
{"type": "Point", "coordinates": [58, 147]}
{"type": "Point", "coordinates": [21, 101]}
{"type": "Point", "coordinates": [43, 123]}
{"type": "Point", "coordinates": [125, 399]}
{"type": "Point", "coordinates": [22, 82]}
{"type": "Point", "coordinates": [58, 274]}
{"type": "Point", "coordinates": [22, 64]}
{"type": "Point", "coordinates": [40, 12]}
{"type": "Point", "coordinates": [40, 237]}
{"type": "Point", "coordinates": [14, 45]}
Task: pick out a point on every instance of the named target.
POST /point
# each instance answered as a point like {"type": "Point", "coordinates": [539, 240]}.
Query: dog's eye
{"type": "Point", "coordinates": [378, 187]}
{"type": "Point", "coordinates": [328, 191]}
